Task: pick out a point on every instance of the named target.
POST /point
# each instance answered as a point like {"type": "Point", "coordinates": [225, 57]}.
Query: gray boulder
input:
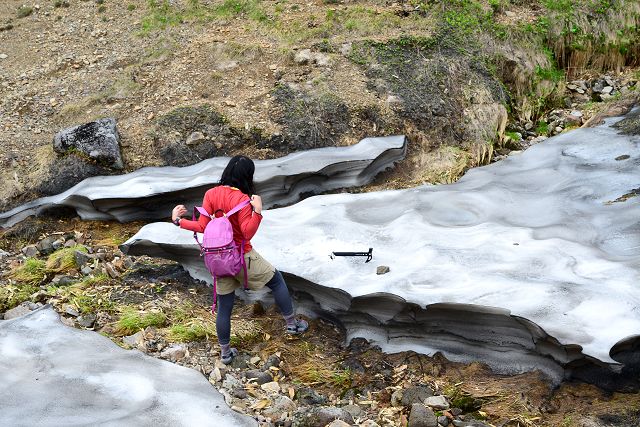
{"type": "Point", "coordinates": [98, 140]}
{"type": "Point", "coordinates": [421, 416]}
{"type": "Point", "coordinates": [320, 417]}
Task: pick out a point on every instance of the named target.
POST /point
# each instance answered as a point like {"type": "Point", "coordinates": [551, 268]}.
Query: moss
{"type": "Point", "coordinates": [24, 11]}
{"type": "Point", "coordinates": [13, 295]}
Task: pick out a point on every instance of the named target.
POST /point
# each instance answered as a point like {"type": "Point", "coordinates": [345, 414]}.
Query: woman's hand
{"type": "Point", "coordinates": [177, 212]}
{"type": "Point", "coordinates": [256, 202]}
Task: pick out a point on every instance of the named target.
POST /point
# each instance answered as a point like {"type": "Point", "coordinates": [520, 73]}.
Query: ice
{"type": "Point", "coordinates": [150, 193]}
{"type": "Point", "coordinates": [54, 375]}
{"type": "Point", "coordinates": [543, 235]}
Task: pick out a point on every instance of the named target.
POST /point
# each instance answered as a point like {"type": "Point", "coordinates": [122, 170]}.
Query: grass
{"type": "Point", "coordinates": [63, 259]}
{"type": "Point", "coordinates": [132, 321]}
{"type": "Point", "coordinates": [193, 330]}
{"type": "Point", "coordinates": [312, 373]}
{"type": "Point", "coordinates": [32, 272]}
{"type": "Point", "coordinates": [542, 128]}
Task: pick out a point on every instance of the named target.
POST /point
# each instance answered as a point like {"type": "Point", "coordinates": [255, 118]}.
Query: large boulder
{"type": "Point", "coordinates": [97, 140]}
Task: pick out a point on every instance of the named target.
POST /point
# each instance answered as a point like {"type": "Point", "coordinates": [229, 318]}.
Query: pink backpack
{"type": "Point", "coordinates": [220, 252]}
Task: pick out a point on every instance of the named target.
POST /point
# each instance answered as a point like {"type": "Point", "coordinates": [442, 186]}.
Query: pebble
{"type": "Point", "coordinates": [437, 402]}
{"type": "Point", "coordinates": [272, 387]}
{"type": "Point", "coordinates": [3, 56]}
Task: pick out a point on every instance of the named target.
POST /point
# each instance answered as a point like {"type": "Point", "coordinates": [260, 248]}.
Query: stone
{"type": "Point", "coordinates": [87, 320]}
{"type": "Point", "coordinates": [443, 420]}
{"type": "Point", "coordinates": [396, 398]}
{"type": "Point", "coordinates": [369, 423]}
{"type": "Point", "coordinates": [421, 416]}
{"type": "Point", "coordinates": [40, 296]}
{"type": "Point", "coordinates": [99, 140]}
{"type": "Point", "coordinates": [63, 280]}
{"type": "Point", "coordinates": [597, 86]}
{"type": "Point", "coordinates": [528, 125]}
{"type": "Point", "coordinates": [3, 56]}
{"type": "Point", "coordinates": [321, 59]}
{"type": "Point", "coordinates": [272, 361]}
{"type": "Point", "coordinates": [271, 387]}
{"type": "Point", "coordinates": [437, 402]}
{"type": "Point", "coordinates": [607, 89]}
{"type": "Point", "coordinates": [45, 246]}
{"type": "Point", "coordinates": [558, 129]}
{"type": "Point", "coordinates": [20, 310]}
{"type": "Point", "coordinates": [303, 57]}
{"type": "Point", "coordinates": [135, 340]}
{"type": "Point", "coordinates": [338, 423]}
{"type": "Point", "coordinates": [111, 271]}
{"type": "Point", "coordinates": [281, 405]}
{"type": "Point", "coordinates": [86, 270]}
{"type": "Point", "coordinates": [71, 311]}
{"type": "Point", "coordinates": [174, 353]}
{"type": "Point", "coordinates": [415, 395]}
{"type": "Point", "coordinates": [30, 251]}
{"type": "Point", "coordinates": [81, 258]}
{"type": "Point", "coordinates": [576, 113]}
{"type": "Point", "coordinates": [195, 138]}
{"type": "Point", "coordinates": [382, 269]}
{"type": "Point", "coordinates": [240, 361]}
{"type": "Point", "coordinates": [308, 396]}
{"type": "Point", "coordinates": [259, 376]}
{"type": "Point", "coordinates": [355, 410]}
{"type": "Point", "coordinates": [320, 417]}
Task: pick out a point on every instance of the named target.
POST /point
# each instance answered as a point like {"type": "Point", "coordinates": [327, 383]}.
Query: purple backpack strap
{"type": "Point", "coordinates": [215, 295]}
{"type": "Point", "coordinates": [237, 208]}
{"type": "Point", "coordinates": [204, 212]}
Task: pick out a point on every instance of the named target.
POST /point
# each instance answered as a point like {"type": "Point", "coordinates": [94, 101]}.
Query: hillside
{"type": "Point", "coordinates": [187, 80]}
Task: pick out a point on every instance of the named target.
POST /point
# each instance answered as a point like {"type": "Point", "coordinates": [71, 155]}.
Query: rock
{"type": "Point", "coordinates": [18, 311]}
{"type": "Point", "coordinates": [45, 246]}
{"type": "Point", "coordinates": [40, 296]}
{"type": "Point", "coordinates": [280, 406]}
{"type": "Point", "coordinates": [81, 258]}
{"type": "Point", "coordinates": [63, 280]}
{"type": "Point", "coordinates": [303, 57]}
{"type": "Point", "coordinates": [415, 395]}
{"type": "Point", "coordinates": [605, 96]}
{"type": "Point", "coordinates": [174, 353]}
{"type": "Point", "coordinates": [87, 320]}
{"type": "Point", "coordinates": [135, 340]}
{"type": "Point", "coordinates": [369, 423]}
{"type": "Point", "coordinates": [443, 420]}
{"type": "Point", "coordinates": [576, 113]}
{"type": "Point", "coordinates": [86, 270]}
{"type": "Point", "coordinates": [437, 402]}
{"type": "Point", "coordinates": [321, 59]}
{"type": "Point", "coordinates": [558, 129]}
{"type": "Point", "coordinates": [597, 86]}
{"type": "Point", "coordinates": [195, 138]}
{"type": "Point", "coordinates": [240, 361]}
{"type": "Point", "coordinates": [396, 398]}
{"type": "Point", "coordinates": [528, 125]}
{"type": "Point", "coordinates": [259, 376]}
{"type": "Point", "coordinates": [272, 361]}
{"type": "Point", "coordinates": [421, 416]}
{"type": "Point", "coordinates": [308, 396]}
{"type": "Point", "coordinates": [98, 140]}
{"type": "Point", "coordinates": [216, 375]}
{"type": "Point", "coordinates": [71, 311]}
{"type": "Point", "coordinates": [3, 56]}
{"type": "Point", "coordinates": [271, 387]}
{"type": "Point", "coordinates": [607, 90]}
{"type": "Point", "coordinates": [111, 271]}
{"type": "Point", "coordinates": [472, 423]}
{"type": "Point", "coordinates": [231, 382]}
{"type": "Point", "coordinates": [30, 251]}
{"type": "Point", "coordinates": [355, 410]}
{"type": "Point", "coordinates": [320, 417]}
{"type": "Point", "coordinates": [338, 423]}
{"type": "Point", "coordinates": [382, 269]}
{"type": "Point", "coordinates": [623, 157]}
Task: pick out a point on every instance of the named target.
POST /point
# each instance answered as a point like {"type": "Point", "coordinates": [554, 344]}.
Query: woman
{"type": "Point", "coordinates": [236, 186]}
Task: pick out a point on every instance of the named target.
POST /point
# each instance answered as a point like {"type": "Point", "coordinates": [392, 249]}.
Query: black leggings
{"type": "Point", "coordinates": [225, 306]}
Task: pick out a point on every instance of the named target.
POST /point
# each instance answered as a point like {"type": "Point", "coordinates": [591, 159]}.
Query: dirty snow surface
{"type": "Point", "coordinates": [54, 375]}
{"type": "Point", "coordinates": [551, 235]}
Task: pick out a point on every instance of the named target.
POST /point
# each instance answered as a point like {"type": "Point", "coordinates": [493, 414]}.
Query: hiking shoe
{"type": "Point", "coordinates": [226, 359]}
{"type": "Point", "coordinates": [300, 327]}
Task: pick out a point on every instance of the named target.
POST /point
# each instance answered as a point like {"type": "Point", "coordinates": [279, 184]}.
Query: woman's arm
{"type": "Point", "coordinates": [248, 219]}
{"type": "Point", "coordinates": [199, 225]}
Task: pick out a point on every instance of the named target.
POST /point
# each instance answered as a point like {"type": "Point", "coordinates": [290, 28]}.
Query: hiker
{"type": "Point", "coordinates": [236, 187]}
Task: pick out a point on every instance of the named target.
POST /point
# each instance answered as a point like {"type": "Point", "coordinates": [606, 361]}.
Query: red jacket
{"type": "Point", "coordinates": [245, 222]}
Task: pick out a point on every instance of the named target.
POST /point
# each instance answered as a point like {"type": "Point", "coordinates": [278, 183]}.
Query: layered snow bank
{"type": "Point", "coordinates": [150, 193]}
{"type": "Point", "coordinates": [536, 255]}
{"type": "Point", "coordinates": [54, 375]}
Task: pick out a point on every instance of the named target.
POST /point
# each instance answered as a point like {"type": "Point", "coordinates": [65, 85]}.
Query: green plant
{"type": "Point", "coordinates": [515, 136]}
{"type": "Point", "coordinates": [24, 11]}
{"type": "Point", "coordinates": [131, 7]}
{"type": "Point", "coordinates": [542, 128]}
{"type": "Point", "coordinates": [92, 303]}
{"type": "Point", "coordinates": [31, 272]}
{"type": "Point", "coordinates": [102, 9]}
{"type": "Point", "coordinates": [132, 321]}
{"type": "Point", "coordinates": [12, 295]}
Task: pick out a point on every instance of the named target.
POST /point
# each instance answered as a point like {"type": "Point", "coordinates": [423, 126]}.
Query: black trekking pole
{"type": "Point", "coordinates": [369, 254]}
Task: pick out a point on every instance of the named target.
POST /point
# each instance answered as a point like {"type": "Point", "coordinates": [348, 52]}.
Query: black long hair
{"type": "Point", "coordinates": [239, 174]}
